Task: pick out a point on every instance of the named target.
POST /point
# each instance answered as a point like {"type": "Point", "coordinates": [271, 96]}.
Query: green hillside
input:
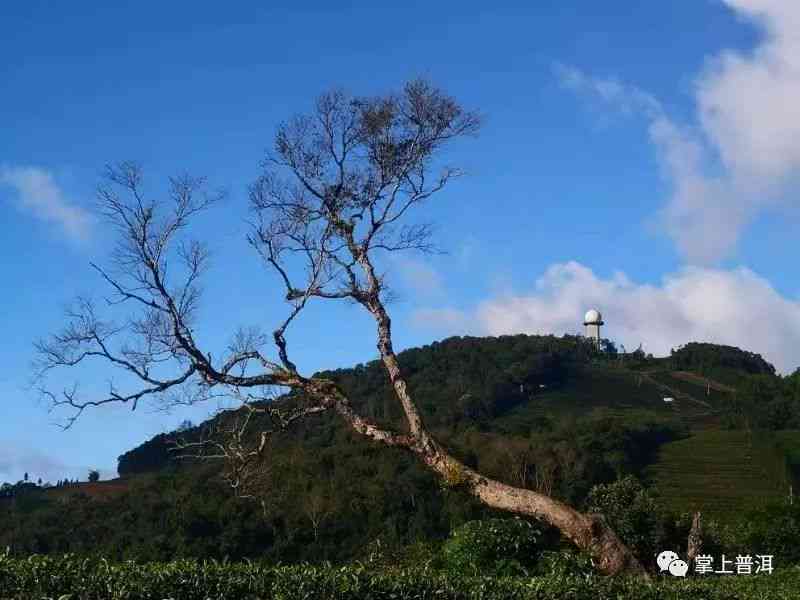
{"type": "Point", "coordinates": [718, 470]}
{"type": "Point", "coordinates": [723, 473]}
{"type": "Point", "coordinates": [545, 412]}
{"type": "Point", "coordinates": [597, 389]}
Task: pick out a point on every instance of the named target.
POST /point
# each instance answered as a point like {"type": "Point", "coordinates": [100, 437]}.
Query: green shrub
{"type": "Point", "coordinates": [774, 529]}
{"type": "Point", "coordinates": [73, 578]}
{"type": "Point", "coordinates": [717, 538]}
{"type": "Point", "coordinates": [565, 564]}
{"type": "Point", "coordinates": [633, 514]}
{"type": "Point", "coordinates": [492, 546]}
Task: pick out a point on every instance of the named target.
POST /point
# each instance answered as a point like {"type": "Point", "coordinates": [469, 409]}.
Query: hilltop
{"type": "Point", "coordinates": [550, 413]}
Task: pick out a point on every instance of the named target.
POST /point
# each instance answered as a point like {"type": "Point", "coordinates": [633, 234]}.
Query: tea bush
{"type": "Point", "coordinates": [492, 546]}
{"type": "Point", "coordinates": [632, 512]}
{"type": "Point", "coordinates": [72, 578]}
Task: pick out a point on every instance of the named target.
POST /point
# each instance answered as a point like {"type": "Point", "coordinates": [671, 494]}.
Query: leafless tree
{"type": "Point", "coordinates": [336, 191]}
{"type": "Point", "coordinates": [318, 505]}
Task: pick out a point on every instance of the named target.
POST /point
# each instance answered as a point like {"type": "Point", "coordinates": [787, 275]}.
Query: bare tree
{"type": "Point", "coordinates": [337, 191]}
{"type": "Point", "coordinates": [317, 504]}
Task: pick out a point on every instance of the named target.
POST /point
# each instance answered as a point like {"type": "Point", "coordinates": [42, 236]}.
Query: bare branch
{"type": "Point", "coordinates": [340, 185]}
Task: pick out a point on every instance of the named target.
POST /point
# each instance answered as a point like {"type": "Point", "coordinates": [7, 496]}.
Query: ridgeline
{"type": "Point", "coordinates": [549, 413]}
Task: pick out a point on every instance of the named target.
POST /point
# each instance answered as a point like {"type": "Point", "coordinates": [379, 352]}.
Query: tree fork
{"type": "Point", "coordinates": [356, 168]}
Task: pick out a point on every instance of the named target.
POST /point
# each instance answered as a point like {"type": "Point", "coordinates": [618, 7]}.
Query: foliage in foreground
{"type": "Point", "coordinates": [501, 546]}
{"type": "Point", "coordinates": [82, 579]}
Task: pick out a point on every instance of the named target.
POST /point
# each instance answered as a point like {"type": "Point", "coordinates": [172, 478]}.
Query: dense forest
{"type": "Point", "coordinates": [549, 413]}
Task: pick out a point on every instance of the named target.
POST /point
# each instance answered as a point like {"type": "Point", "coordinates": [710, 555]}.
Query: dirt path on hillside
{"type": "Point", "coordinates": [673, 392]}
{"type": "Point", "coordinates": [699, 379]}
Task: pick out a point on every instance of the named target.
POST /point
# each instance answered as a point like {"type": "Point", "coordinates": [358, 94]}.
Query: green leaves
{"type": "Point", "coordinates": [505, 547]}
{"type": "Point", "coordinates": [72, 578]}
{"type": "Point", "coordinates": [631, 511]}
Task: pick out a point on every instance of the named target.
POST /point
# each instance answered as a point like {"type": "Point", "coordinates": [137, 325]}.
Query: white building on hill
{"type": "Point", "coordinates": [592, 320]}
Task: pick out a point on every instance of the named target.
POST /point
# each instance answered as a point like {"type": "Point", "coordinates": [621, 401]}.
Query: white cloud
{"type": "Point", "coordinates": [742, 156]}
{"type": "Point", "coordinates": [16, 460]}
{"type": "Point", "coordinates": [419, 277]}
{"type": "Point", "coordinates": [706, 213]}
{"type": "Point", "coordinates": [734, 307]}
{"type": "Point", "coordinates": [748, 103]}
{"type": "Point", "coordinates": [39, 195]}
{"type": "Point", "coordinates": [450, 320]}
{"type": "Point", "coordinates": [626, 98]}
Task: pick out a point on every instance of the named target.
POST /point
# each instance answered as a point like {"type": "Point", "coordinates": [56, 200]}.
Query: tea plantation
{"type": "Point", "coordinates": [66, 578]}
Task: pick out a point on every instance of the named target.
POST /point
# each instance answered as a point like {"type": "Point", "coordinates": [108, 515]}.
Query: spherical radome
{"type": "Point", "coordinates": [592, 316]}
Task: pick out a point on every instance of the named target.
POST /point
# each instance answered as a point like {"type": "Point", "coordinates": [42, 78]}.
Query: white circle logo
{"type": "Point", "coordinates": [678, 568]}
{"type": "Point", "coordinates": [665, 558]}
{"type": "Point", "coordinates": [671, 562]}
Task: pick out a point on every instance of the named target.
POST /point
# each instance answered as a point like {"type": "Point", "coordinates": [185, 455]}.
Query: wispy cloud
{"type": "Point", "coordinates": [741, 155]}
{"type": "Point", "coordinates": [419, 277]}
{"type": "Point", "coordinates": [38, 195]}
{"type": "Point", "coordinates": [735, 307]}
{"type": "Point", "coordinates": [16, 460]}
{"type": "Point", "coordinates": [446, 320]}
{"type": "Point", "coordinates": [626, 98]}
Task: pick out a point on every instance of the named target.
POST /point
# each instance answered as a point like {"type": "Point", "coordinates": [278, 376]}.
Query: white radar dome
{"type": "Point", "coordinates": [592, 317]}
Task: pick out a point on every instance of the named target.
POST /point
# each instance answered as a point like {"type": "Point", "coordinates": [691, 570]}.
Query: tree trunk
{"type": "Point", "coordinates": [695, 542]}
{"type": "Point", "coordinates": [590, 533]}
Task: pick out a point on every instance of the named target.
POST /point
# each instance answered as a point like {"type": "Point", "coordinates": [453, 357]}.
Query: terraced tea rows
{"type": "Point", "coordinates": [722, 472]}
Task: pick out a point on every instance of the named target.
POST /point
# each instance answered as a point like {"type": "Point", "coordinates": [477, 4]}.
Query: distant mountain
{"type": "Point", "coordinates": [724, 363]}
{"type": "Point", "coordinates": [464, 382]}
{"type": "Point", "coordinates": [550, 413]}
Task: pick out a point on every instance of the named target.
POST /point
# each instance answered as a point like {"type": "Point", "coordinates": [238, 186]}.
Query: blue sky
{"type": "Point", "coordinates": [638, 157]}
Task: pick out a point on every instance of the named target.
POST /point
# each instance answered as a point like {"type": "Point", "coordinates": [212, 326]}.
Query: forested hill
{"type": "Point", "coordinates": [544, 412]}
{"type": "Point", "coordinates": [458, 381]}
{"type": "Point", "coordinates": [470, 382]}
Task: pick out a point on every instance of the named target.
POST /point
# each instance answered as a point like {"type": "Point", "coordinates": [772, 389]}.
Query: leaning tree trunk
{"type": "Point", "coordinates": [589, 532]}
